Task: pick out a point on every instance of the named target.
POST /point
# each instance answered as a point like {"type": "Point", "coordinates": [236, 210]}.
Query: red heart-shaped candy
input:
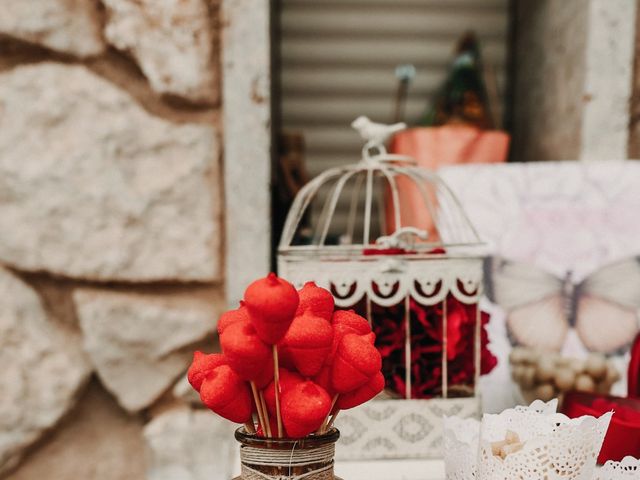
{"type": "Point", "coordinates": [287, 381]}
{"type": "Point", "coordinates": [323, 379]}
{"type": "Point", "coordinates": [353, 321]}
{"type": "Point", "coordinates": [244, 351]}
{"type": "Point", "coordinates": [240, 314]}
{"type": "Point", "coordinates": [355, 362]}
{"type": "Point", "coordinates": [265, 376]}
{"type": "Point", "coordinates": [308, 342]}
{"type": "Point", "coordinates": [285, 360]}
{"type": "Point", "coordinates": [316, 301]}
{"type": "Point", "coordinates": [201, 366]}
{"type": "Point", "coordinates": [347, 321]}
{"type": "Point", "coordinates": [272, 304]}
{"type": "Point", "coordinates": [304, 408]}
{"type": "Point", "coordinates": [224, 392]}
{"type": "Point", "coordinates": [363, 394]}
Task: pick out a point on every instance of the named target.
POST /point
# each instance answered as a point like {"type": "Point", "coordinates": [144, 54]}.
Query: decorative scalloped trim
{"type": "Point", "coordinates": [555, 447]}
{"type": "Point", "coordinates": [428, 282]}
{"type": "Point", "coordinates": [626, 469]}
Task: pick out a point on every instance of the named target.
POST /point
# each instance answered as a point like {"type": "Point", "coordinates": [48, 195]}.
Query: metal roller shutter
{"type": "Point", "coordinates": [338, 59]}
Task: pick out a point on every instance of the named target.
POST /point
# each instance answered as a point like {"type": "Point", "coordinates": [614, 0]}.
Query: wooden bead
{"type": "Point", "coordinates": [564, 379]}
{"type": "Point", "coordinates": [585, 383]}
{"type": "Point", "coordinates": [528, 377]}
{"type": "Point", "coordinates": [516, 373]}
{"type": "Point", "coordinates": [596, 366]}
{"type": "Point", "coordinates": [612, 373]}
{"type": "Point", "coordinates": [545, 392]}
{"type": "Point", "coordinates": [577, 365]}
{"type": "Point", "coordinates": [518, 355]}
{"type": "Point", "coordinates": [564, 362]}
{"type": "Point", "coordinates": [545, 370]}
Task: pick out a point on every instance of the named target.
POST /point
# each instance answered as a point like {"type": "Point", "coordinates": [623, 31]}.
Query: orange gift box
{"type": "Point", "coordinates": [435, 147]}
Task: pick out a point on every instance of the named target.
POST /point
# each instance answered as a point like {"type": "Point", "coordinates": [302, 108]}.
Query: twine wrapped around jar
{"type": "Point", "coordinates": [309, 458]}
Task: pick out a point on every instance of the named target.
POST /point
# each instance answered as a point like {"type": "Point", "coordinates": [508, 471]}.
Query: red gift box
{"type": "Point", "coordinates": [623, 435]}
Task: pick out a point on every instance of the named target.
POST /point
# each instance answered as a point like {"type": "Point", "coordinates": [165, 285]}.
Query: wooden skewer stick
{"type": "Point", "coordinates": [323, 427]}
{"type": "Point", "coordinates": [266, 415]}
{"type": "Point", "coordinates": [250, 427]}
{"type": "Point", "coordinates": [256, 399]}
{"type": "Point", "coordinates": [333, 419]}
{"type": "Point", "coordinates": [276, 380]}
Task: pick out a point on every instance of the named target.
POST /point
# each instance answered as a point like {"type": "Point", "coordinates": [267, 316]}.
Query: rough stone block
{"type": "Point", "coordinates": [139, 344]}
{"type": "Point", "coordinates": [173, 41]}
{"type": "Point", "coordinates": [67, 26]}
{"type": "Point", "coordinates": [43, 369]}
{"type": "Point", "coordinates": [92, 186]}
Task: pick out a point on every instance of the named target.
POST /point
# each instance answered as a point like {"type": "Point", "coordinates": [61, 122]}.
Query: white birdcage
{"type": "Point", "coordinates": [405, 244]}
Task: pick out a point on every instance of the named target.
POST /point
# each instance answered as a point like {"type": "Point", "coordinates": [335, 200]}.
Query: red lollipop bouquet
{"type": "Point", "coordinates": [290, 362]}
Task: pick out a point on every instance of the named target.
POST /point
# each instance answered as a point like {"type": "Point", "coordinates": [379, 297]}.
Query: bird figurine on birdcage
{"type": "Point", "coordinates": [391, 241]}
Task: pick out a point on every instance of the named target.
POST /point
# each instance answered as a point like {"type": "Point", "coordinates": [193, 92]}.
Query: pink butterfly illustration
{"type": "Point", "coordinates": [542, 308]}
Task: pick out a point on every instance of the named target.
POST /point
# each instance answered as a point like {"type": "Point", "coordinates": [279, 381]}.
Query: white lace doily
{"type": "Point", "coordinates": [461, 438]}
{"type": "Point", "coordinates": [628, 468]}
{"type": "Point", "coordinates": [525, 421]}
{"type": "Point", "coordinates": [460, 447]}
{"type": "Point", "coordinates": [555, 446]}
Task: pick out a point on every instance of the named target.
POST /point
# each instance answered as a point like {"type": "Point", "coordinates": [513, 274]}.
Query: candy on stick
{"type": "Point", "coordinates": [285, 360]}
{"type": "Point", "coordinates": [201, 366]}
{"type": "Point", "coordinates": [240, 314]}
{"type": "Point", "coordinates": [308, 342]}
{"type": "Point", "coordinates": [227, 395]}
{"type": "Point", "coordinates": [316, 301]}
{"type": "Point", "coordinates": [265, 377]}
{"type": "Point", "coordinates": [272, 304]}
{"type": "Point", "coordinates": [356, 361]}
{"type": "Point", "coordinates": [336, 349]}
{"type": "Point", "coordinates": [343, 322]}
{"type": "Point", "coordinates": [288, 380]}
{"type": "Point", "coordinates": [304, 408]}
{"type": "Point", "coordinates": [247, 355]}
{"type": "Point", "coordinates": [245, 352]}
{"type": "Point", "coordinates": [363, 394]}
{"type": "Point", "coordinates": [348, 321]}
{"type": "Point", "coordinates": [323, 378]}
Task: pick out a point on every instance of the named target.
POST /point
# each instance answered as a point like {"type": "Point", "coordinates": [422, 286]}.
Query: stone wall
{"type": "Point", "coordinates": [110, 237]}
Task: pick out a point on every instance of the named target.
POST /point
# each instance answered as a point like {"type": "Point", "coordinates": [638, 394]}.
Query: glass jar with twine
{"type": "Point", "coordinates": [309, 458]}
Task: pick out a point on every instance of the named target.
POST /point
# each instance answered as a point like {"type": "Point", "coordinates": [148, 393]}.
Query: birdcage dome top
{"type": "Point", "coordinates": [384, 201]}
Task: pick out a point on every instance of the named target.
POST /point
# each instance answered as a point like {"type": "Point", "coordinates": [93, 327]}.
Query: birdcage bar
{"type": "Point", "coordinates": [353, 209]}
{"type": "Point", "coordinates": [303, 200]}
{"type": "Point", "coordinates": [367, 207]}
{"type": "Point", "coordinates": [449, 220]}
{"type": "Point", "coordinates": [425, 195]}
{"type": "Point", "coordinates": [394, 198]}
{"type": "Point", "coordinates": [334, 201]}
